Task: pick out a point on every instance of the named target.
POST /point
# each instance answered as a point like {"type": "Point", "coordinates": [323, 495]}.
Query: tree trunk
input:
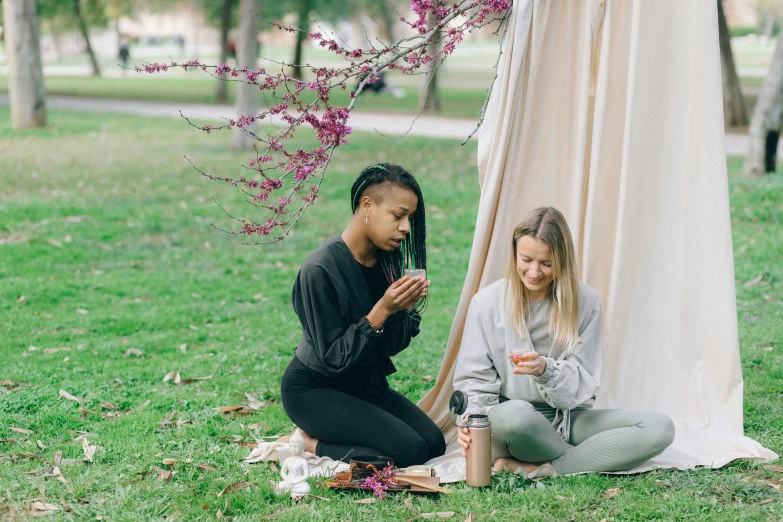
{"type": "Point", "coordinates": [734, 111]}
{"type": "Point", "coordinates": [773, 135]}
{"type": "Point", "coordinates": [247, 52]}
{"type": "Point", "coordinates": [25, 72]}
{"type": "Point", "coordinates": [225, 23]}
{"type": "Point", "coordinates": [388, 19]}
{"type": "Point", "coordinates": [769, 26]}
{"type": "Point", "coordinates": [765, 119]}
{"type": "Point", "coordinates": [429, 99]}
{"type": "Point", "coordinates": [303, 21]}
{"type": "Point", "coordinates": [58, 48]}
{"type": "Point", "coordinates": [77, 9]}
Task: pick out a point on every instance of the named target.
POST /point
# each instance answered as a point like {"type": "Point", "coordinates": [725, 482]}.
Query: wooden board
{"type": "Point", "coordinates": [435, 481]}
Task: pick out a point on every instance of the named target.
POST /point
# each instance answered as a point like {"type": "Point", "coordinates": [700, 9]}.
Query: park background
{"type": "Point", "coordinates": [113, 274]}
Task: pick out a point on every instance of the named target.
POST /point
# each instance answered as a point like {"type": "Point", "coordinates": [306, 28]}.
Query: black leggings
{"type": "Point", "coordinates": [348, 422]}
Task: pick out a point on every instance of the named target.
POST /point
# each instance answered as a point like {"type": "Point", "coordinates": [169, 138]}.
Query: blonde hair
{"type": "Point", "coordinates": [548, 225]}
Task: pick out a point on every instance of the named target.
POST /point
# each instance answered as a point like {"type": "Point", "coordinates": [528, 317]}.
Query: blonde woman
{"type": "Point", "coordinates": [540, 402]}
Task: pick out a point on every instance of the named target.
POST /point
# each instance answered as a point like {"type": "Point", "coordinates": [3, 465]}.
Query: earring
{"type": "Point", "coordinates": [365, 218]}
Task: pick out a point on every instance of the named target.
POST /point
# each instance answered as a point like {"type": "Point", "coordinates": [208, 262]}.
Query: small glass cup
{"type": "Point", "coordinates": [518, 356]}
{"type": "Point", "coordinates": [415, 272]}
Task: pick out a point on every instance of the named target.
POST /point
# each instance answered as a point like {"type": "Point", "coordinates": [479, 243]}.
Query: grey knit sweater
{"type": "Point", "coordinates": [484, 370]}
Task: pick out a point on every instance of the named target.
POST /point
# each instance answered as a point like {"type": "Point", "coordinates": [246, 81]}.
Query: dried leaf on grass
{"type": "Point", "coordinates": [39, 444]}
{"type": "Point", "coordinates": [233, 487]}
{"type": "Point", "coordinates": [58, 456]}
{"type": "Point", "coordinates": [89, 450]}
{"type": "Point", "coordinates": [133, 351]}
{"type": "Point", "coordinates": [206, 467]}
{"type": "Point", "coordinates": [191, 381]}
{"type": "Point", "coordinates": [366, 501]}
{"type": "Point", "coordinates": [22, 430]}
{"type": "Point", "coordinates": [235, 410]}
{"type": "Point", "coordinates": [65, 395]}
{"type": "Point", "coordinates": [56, 473]}
{"type": "Point", "coordinates": [409, 504]}
{"type": "Point", "coordinates": [778, 469]}
{"type": "Point", "coordinates": [273, 466]}
{"type": "Point", "coordinates": [255, 404]}
{"type": "Point", "coordinates": [169, 462]}
{"type": "Point", "coordinates": [442, 514]}
{"type": "Point", "coordinates": [169, 422]}
{"type": "Point", "coordinates": [228, 409]}
{"type": "Point", "coordinates": [55, 350]}
{"type": "Point", "coordinates": [755, 281]}
{"type": "Point", "coordinates": [175, 376]}
{"type": "Point", "coordinates": [172, 375]}
{"type": "Point", "coordinates": [163, 474]}
{"type": "Point", "coordinates": [611, 493]}
{"type": "Point", "coordinates": [10, 385]}
{"type": "Point", "coordinates": [471, 517]}
{"type": "Point", "coordinates": [43, 508]}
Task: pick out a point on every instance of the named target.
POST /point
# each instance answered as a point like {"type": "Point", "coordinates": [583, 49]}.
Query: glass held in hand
{"type": "Point", "coordinates": [415, 272]}
{"type": "Point", "coordinates": [518, 356]}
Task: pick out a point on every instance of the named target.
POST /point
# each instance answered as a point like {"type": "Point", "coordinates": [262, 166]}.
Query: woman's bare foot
{"type": "Point", "coordinates": [310, 442]}
{"type": "Point", "coordinates": [513, 465]}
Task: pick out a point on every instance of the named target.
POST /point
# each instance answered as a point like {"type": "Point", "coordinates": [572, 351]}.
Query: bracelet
{"type": "Point", "coordinates": [378, 331]}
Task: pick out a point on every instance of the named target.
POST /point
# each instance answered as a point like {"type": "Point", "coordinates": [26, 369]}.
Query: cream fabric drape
{"type": "Point", "coordinates": [611, 111]}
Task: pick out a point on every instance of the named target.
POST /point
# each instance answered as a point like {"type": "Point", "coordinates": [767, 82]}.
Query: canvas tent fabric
{"type": "Point", "coordinates": [611, 111]}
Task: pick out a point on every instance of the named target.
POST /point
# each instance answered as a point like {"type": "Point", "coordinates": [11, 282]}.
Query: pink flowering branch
{"type": "Point", "coordinates": [285, 179]}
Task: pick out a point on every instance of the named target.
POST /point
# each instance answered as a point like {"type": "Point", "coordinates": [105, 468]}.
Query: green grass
{"type": "Point", "coordinates": [463, 103]}
{"type": "Point", "coordinates": [101, 214]}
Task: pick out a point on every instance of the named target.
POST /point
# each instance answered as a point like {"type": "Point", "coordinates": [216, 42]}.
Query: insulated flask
{"type": "Point", "coordinates": [478, 468]}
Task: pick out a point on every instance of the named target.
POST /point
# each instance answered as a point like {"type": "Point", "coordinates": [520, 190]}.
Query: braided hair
{"type": "Point", "coordinates": [412, 253]}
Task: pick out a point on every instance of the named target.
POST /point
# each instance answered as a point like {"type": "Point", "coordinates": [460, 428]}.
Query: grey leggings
{"type": "Point", "coordinates": [600, 440]}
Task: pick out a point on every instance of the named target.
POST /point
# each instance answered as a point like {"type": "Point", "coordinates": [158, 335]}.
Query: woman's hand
{"type": "Point", "coordinates": [401, 295]}
{"type": "Point", "coordinates": [404, 293]}
{"type": "Point", "coordinates": [532, 364]}
{"type": "Point", "coordinates": [464, 439]}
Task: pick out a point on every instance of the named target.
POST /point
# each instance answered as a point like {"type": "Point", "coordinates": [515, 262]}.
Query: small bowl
{"type": "Point", "coordinates": [379, 461]}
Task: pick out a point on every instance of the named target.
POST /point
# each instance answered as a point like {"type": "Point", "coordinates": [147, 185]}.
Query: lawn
{"type": "Point", "coordinates": [200, 88]}
{"type": "Point", "coordinates": [112, 275]}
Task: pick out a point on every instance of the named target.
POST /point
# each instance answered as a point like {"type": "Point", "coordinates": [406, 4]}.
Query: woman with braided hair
{"type": "Point", "coordinates": [357, 310]}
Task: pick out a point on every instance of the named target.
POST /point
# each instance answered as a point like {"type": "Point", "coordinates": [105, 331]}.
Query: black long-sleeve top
{"type": "Point", "coordinates": [331, 297]}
